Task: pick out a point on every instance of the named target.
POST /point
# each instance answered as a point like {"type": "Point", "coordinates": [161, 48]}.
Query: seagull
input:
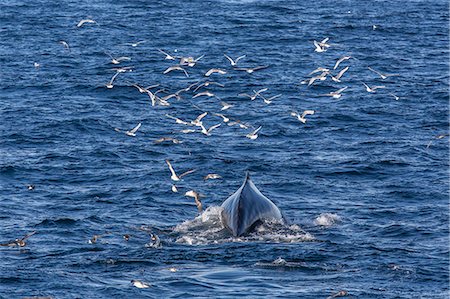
{"type": "Point", "coordinates": [341, 60]}
{"type": "Point", "coordinates": [250, 70]}
{"type": "Point", "coordinates": [339, 75]}
{"type": "Point", "coordinates": [269, 100]}
{"type": "Point", "coordinates": [126, 237]}
{"type": "Point", "coordinates": [234, 62]}
{"type": "Point", "coordinates": [255, 95]}
{"type": "Point", "coordinates": [196, 196]}
{"type": "Point", "coordinates": [118, 60]}
{"type": "Point", "coordinates": [139, 284]}
{"type": "Point", "coordinates": [372, 89]}
{"type": "Point", "coordinates": [212, 71]}
{"type": "Point", "coordinates": [205, 93]}
{"type": "Point", "coordinates": [189, 61]}
{"type": "Point", "coordinates": [207, 132]}
{"type": "Point", "coordinates": [302, 118]}
{"type": "Point", "coordinates": [335, 94]}
{"type": "Point", "coordinates": [31, 187]}
{"type": "Point", "coordinates": [19, 242]}
{"type": "Point", "coordinates": [383, 76]}
{"type": "Point", "coordinates": [135, 44]}
{"type": "Point", "coordinates": [187, 131]}
{"type": "Point", "coordinates": [168, 56]}
{"type": "Point", "coordinates": [36, 65]}
{"type": "Point", "coordinates": [174, 189]}
{"type": "Point", "coordinates": [319, 48]}
{"type": "Point", "coordinates": [65, 44]}
{"type": "Point", "coordinates": [320, 77]}
{"type": "Point", "coordinates": [133, 131]}
{"type": "Point", "coordinates": [206, 84]}
{"type": "Point", "coordinates": [110, 84]}
{"type": "Point", "coordinates": [198, 121]}
{"type": "Point", "coordinates": [163, 139]}
{"type": "Point", "coordinates": [253, 135]}
{"type": "Point", "coordinates": [174, 176]}
{"type": "Point", "coordinates": [176, 68]}
{"type": "Point", "coordinates": [225, 106]}
{"type": "Point", "coordinates": [212, 176]}
{"type": "Point", "coordinates": [86, 21]}
{"type": "Point", "coordinates": [225, 119]}
{"type": "Point", "coordinates": [319, 69]}
{"type": "Point", "coordinates": [179, 121]}
{"type": "Point", "coordinates": [395, 97]}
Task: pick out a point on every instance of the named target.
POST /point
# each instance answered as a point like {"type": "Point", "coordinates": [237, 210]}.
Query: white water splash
{"type": "Point", "coordinates": [326, 219]}
{"type": "Point", "coordinates": [207, 228]}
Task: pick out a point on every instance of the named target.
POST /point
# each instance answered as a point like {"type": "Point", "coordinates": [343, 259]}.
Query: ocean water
{"type": "Point", "coordinates": [363, 183]}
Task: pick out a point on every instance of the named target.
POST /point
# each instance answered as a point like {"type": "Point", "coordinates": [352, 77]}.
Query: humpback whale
{"type": "Point", "coordinates": [247, 207]}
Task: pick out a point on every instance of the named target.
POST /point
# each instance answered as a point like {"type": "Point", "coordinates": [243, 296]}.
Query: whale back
{"type": "Point", "coordinates": [244, 208]}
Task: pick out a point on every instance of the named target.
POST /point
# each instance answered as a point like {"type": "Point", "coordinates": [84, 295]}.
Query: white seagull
{"type": "Point", "coordinates": [133, 131]}
{"type": "Point", "coordinates": [253, 135]}
{"type": "Point", "coordinates": [372, 89]}
{"type": "Point", "coordinates": [174, 176]}
{"type": "Point", "coordinates": [233, 62]}
{"type": "Point", "coordinates": [86, 21]}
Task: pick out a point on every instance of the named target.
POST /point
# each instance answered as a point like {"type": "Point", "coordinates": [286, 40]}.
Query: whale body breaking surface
{"type": "Point", "coordinates": [247, 207]}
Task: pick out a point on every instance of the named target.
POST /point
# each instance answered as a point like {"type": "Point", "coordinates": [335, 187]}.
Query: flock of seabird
{"type": "Point", "coordinates": [161, 97]}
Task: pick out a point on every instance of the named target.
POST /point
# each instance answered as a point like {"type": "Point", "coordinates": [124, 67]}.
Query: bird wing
{"type": "Point", "coordinates": [342, 72]}
{"type": "Point", "coordinates": [186, 173]}
{"type": "Point", "coordinates": [257, 130]}
{"type": "Point", "coordinates": [134, 130]}
{"type": "Point", "coordinates": [213, 127]}
{"type": "Point", "coordinates": [229, 58]}
{"type": "Point", "coordinates": [171, 168]}
{"type": "Point", "coordinates": [342, 89]}
{"type": "Point", "coordinates": [114, 77]}
{"type": "Point", "coordinates": [260, 67]}
{"type": "Point", "coordinates": [307, 112]}
{"type": "Point", "coordinates": [199, 58]}
{"type": "Point", "coordinates": [239, 58]}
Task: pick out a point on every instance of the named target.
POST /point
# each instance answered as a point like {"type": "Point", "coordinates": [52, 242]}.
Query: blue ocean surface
{"type": "Point", "coordinates": [363, 182]}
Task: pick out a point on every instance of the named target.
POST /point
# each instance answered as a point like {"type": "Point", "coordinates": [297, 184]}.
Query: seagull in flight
{"type": "Point", "coordinates": [269, 100]}
{"type": "Point", "coordinates": [253, 135]}
{"type": "Point", "coordinates": [339, 75]}
{"type": "Point", "coordinates": [225, 106]}
{"type": "Point", "coordinates": [212, 71]}
{"type": "Point", "coordinates": [395, 97]}
{"type": "Point", "coordinates": [110, 84]}
{"type": "Point", "coordinates": [207, 132]}
{"type": "Point", "coordinates": [174, 176]}
{"type": "Point", "coordinates": [176, 68]}
{"type": "Point", "coordinates": [255, 95]}
{"type": "Point", "coordinates": [133, 131]}
{"type": "Point", "coordinates": [86, 21]}
{"type": "Point", "coordinates": [372, 89]}
{"type": "Point", "coordinates": [168, 56]}
{"type": "Point", "coordinates": [341, 60]}
{"type": "Point", "coordinates": [198, 121]}
{"type": "Point", "coordinates": [178, 120]}
{"type": "Point", "coordinates": [335, 94]}
{"type": "Point", "coordinates": [321, 46]}
{"type": "Point", "coordinates": [234, 62]}
{"type": "Point", "coordinates": [118, 60]}
{"type": "Point", "coordinates": [136, 43]}
{"type": "Point", "coordinates": [301, 117]}
{"type": "Point", "coordinates": [383, 76]}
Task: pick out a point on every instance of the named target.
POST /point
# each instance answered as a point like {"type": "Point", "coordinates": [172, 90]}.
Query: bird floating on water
{"type": "Point", "coordinates": [253, 135]}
